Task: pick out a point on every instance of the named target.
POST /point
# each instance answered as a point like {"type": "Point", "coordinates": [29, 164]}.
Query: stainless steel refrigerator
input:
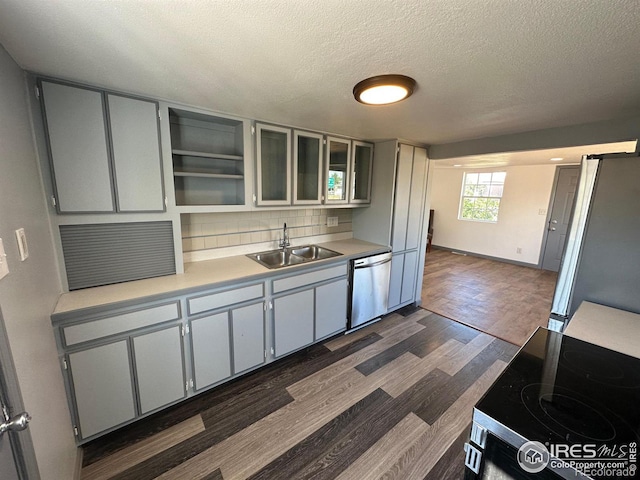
{"type": "Point", "coordinates": [601, 262]}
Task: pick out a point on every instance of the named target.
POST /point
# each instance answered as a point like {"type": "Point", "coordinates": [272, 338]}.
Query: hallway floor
{"type": "Point", "coordinates": [505, 300]}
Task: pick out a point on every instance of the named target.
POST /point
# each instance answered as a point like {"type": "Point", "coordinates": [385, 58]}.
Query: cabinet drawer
{"type": "Point", "coordinates": [124, 322]}
{"type": "Point", "coordinates": [222, 299]}
{"type": "Point", "coordinates": [309, 278]}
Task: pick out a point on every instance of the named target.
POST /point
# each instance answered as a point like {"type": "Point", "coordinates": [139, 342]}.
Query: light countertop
{"type": "Point", "coordinates": [608, 327]}
{"type": "Point", "coordinates": [237, 268]}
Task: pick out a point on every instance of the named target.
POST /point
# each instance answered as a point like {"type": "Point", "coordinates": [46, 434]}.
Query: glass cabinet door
{"type": "Point", "coordinates": [338, 168]}
{"type": "Point", "coordinates": [361, 172]}
{"type": "Point", "coordinates": [307, 168]}
{"type": "Point", "coordinates": [273, 154]}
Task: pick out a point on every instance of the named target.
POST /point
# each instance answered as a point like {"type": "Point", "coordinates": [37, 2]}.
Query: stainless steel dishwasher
{"type": "Point", "coordinates": [369, 281]}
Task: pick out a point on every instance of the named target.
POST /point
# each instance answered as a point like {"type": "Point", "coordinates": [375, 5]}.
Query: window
{"type": "Point", "coordinates": [481, 194]}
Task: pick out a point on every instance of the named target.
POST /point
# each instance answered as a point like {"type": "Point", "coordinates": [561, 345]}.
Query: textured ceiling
{"type": "Point", "coordinates": [483, 67]}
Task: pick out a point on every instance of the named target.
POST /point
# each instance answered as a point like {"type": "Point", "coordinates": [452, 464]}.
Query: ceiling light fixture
{"type": "Point", "coordinates": [457, 165]}
{"type": "Point", "coordinates": [557, 159]}
{"type": "Point", "coordinates": [384, 89]}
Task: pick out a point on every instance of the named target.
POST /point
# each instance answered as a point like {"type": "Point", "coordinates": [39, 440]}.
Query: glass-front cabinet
{"type": "Point", "coordinates": [338, 169]}
{"type": "Point", "coordinates": [307, 168]}
{"type": "Point", "coordinates": [273, 154]}
{"type": "Point", "coordinates": [361, 168]}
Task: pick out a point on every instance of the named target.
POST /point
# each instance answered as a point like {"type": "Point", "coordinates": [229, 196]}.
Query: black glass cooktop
{"type": "Point", "coordinates": [565, 392]}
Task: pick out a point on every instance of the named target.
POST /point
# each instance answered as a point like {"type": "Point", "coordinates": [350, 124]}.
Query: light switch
{"type": "Point", "coordinates": [4, 266]}
{"type": "Point", "coordinates": [332, 221]}
{"type": "Point", "coordinates": [542, 211]}
{"type": "Point", "coordinates": [21, 237]}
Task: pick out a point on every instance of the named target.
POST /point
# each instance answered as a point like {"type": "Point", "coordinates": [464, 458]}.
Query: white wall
{"type": "Point", "coordinates": [527, 190]}
{"type": "Point", "coordinates": [30, 291]}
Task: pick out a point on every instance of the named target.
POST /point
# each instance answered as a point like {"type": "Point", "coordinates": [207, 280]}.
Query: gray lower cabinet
{"type": "Point", "coordinates": [211, 349]}
{"type": "Point", "coordinates": [159, 368]}
{"type": "Point", "coordinates": [395, 281]}
{"type": "Point", "coordinates": [102, 386]}
{"type": "Point", "coordinates": [103, 379]}
{"type": "Point", "coordinates": [305, 316]}
{"type": "Point", "coordinates": [248, 337]}
{"type": "Point", "coordinates": [331, 308]}
{"type": "Point", "coordinates": [293, 321]}
{"type": "Point", "coordinates": [402, 283]}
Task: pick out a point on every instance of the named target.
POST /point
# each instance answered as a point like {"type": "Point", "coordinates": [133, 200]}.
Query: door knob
{"type": "Point", "coordinates": [16, 424]}
{"type": "Point", "coordinates": [553, 229]}
{"type": "Point", "coordinates": [554, 221]}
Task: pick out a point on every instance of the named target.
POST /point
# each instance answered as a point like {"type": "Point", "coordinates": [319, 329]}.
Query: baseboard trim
{"type": "Point", "coordinates": [488, 257]}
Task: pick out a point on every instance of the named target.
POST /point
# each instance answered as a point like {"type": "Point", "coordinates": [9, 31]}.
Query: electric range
{"type": "Point", "coordinates": [563, 408]}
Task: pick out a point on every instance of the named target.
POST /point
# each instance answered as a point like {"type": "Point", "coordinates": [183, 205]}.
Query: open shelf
{"type": "Point", "coordinates": [190, 153]}
{"type": "Point", "coordinates": [208, 159]}
{"type": "Point", "coordinates": [205, 175]}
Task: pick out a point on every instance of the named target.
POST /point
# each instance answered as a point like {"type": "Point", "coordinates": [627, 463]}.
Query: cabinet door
{"type": "Point", "coordinates": [211, 349]}
{"type": "Point", "coordinates": [331, 308]}
{"type": "Point", "coordinates": [102, 387]}
{"type": "Point", "coordinates": [248, 337]}
{"type": "Point", "coordinates": [77, 137]}
{"type": "Point", "coordinates": [416, 200]}
{"type": "Point", "coordinates": [307, 168]}
{"type": "Point", "coordinates": [159, 368]}
{"type": "Point", "coordinates": [136, 154]}
{"type": "Point", "coordinates": [293, 321]}
{"type": "Point", "coordinates": [409, 276]}
{"type": "Point", "coordinates": [395, 281]}
{"type": "Point", "coordinates": [362, 165]}
{"type": "Point", "coordinates": [402, 196]}
{"type": "Point", "coordinates": [273, 154]}
{"type": "Point", "coordinates": [338, 167]}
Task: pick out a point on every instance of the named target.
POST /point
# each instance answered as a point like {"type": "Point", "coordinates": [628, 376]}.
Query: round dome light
{"type": "Point", "coordinates": [384, 89]}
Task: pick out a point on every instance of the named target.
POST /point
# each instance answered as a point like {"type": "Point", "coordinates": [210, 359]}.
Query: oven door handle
{"type": "Point", "coordinates": [472, 458]}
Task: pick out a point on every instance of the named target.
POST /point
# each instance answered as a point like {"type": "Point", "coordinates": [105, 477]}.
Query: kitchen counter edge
{"type": "Point", "coordinates": [198, 276]}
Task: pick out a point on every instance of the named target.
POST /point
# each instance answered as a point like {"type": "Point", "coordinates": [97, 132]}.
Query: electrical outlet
{"type": "Point", "coordinates": [4, 266]}
{"type": "Point", "coordinates": [332, 221]}
{"type": "Point", "coordinates": [21, 237]}
{"type": "Point", "coordinates": [518, 250]}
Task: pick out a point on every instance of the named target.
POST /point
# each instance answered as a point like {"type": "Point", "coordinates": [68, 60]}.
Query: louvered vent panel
{"type": "Point", "coordinates": [107, 253]}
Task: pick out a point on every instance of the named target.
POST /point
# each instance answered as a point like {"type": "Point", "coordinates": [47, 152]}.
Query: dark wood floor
{"type": "Point", "coordinates": [393, 400]}
{"type": "Point", "coordinates": [505, 300]}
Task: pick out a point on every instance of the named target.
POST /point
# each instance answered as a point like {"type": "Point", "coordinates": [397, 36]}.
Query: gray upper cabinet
{"type": "Point", "coordinates": [361, 170]}
{"type": "Point", "coordinates": [307, 168]}
{"type": "Point", "coordinates": [273, 159]}
{"type": "Point", "coordinates": [136, 154]}
{"type": "Point", "coordinates": [338, 160]}
{"type": "Point", "coordinates": [78, 148]}
{"type": "Point", "coordinates": [104, 150]}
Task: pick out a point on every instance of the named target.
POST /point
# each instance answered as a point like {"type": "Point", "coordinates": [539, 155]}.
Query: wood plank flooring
{"type": "Point", "coordinates": [505, 300]}
{"type": "Point", "coordinates": [393, 400]}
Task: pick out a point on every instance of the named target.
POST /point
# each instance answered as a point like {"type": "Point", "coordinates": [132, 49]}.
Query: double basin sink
{"type": "Point", "coordinates": [292, 256]}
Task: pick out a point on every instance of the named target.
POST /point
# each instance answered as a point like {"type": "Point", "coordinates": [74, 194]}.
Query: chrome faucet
{"type": "Point", "coordinates": [284, 243]}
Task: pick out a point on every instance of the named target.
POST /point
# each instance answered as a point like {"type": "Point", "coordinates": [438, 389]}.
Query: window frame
{"type": "Point", "coordinates": [486, 197]}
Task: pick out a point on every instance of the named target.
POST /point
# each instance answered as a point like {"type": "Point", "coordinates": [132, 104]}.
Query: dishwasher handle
{"type": "Point", "coordinates": [363, 263]}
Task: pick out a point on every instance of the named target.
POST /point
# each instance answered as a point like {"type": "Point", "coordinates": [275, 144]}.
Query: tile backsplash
{"type": "Point", "coordinates": [205, 231]}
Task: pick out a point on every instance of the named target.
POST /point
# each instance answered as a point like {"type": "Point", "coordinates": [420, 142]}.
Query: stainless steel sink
{"type": "Point", "coordinates": [292, 256]}
{"type": "Point", "coordinates": [313, 252]}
